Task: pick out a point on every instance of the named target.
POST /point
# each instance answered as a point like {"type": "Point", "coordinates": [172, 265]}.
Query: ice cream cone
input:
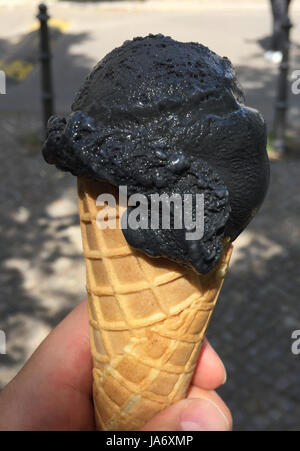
{"type": "Point", "coordinates": [148, 317]}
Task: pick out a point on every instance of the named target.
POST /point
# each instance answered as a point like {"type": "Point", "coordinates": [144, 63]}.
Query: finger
{"type": "Point", "coordinates": [64, 357]}
{"type": "Point", "coordinates": [210, 372]}
{"type": "Point", "coordinates": [53, 390]}
{"type": "Point", "coordinates": [203, 412]}
{"type": "Point", "coordinates": [212, 396]}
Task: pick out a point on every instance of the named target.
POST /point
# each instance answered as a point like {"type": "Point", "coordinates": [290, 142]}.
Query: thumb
{"type": "Point", "coordinates": [191, 414]}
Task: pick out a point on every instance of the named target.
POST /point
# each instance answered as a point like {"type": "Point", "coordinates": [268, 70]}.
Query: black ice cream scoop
{"type": "Point", "coordinates": [165, 117]}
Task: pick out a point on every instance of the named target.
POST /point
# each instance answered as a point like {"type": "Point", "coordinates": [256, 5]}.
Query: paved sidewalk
{"type": "Point", "coordinates": [42, 275]}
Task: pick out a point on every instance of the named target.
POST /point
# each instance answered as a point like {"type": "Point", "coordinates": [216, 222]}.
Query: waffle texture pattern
{"type": "Point", "coordinates": [148, 317]}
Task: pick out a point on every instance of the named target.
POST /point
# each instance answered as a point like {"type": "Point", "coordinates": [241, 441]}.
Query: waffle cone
{"type": "Point", "coordinates": [148, 317]}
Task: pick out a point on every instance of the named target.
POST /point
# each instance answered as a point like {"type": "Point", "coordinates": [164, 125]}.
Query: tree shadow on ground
{"type": "Point", "coordinates": [41, 266]}
{"type": "Point", "coordinates": [23, 87]}
{"type": "Point", "coordinates": [260, 82]}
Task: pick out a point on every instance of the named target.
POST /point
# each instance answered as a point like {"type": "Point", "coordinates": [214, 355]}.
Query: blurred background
{"type": "Point", "coordinates": [42, 274]}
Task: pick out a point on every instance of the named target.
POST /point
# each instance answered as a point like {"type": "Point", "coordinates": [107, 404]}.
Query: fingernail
{"type": "Point", "coordinates": [203, 415]}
